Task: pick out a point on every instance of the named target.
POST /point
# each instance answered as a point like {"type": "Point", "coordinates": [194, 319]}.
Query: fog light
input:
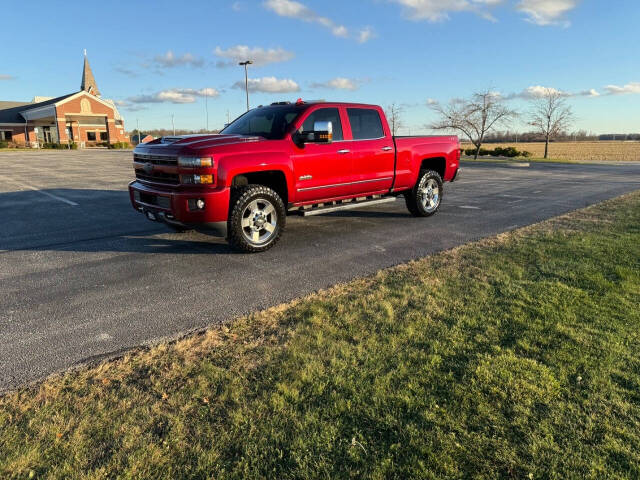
{"type": "Point", "coordinates": [196, 204]}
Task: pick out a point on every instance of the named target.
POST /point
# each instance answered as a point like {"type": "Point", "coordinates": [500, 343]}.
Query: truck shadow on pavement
{"type": "Point", "coordinates": [82, 220]}
{"type": "Point", "coordinates": [85, 220]}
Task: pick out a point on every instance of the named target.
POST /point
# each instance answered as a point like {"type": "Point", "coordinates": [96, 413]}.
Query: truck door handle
{"type": "Point", "coordinates": [342, 152]}
{"type": "Point", "coordinates": [387, 149]}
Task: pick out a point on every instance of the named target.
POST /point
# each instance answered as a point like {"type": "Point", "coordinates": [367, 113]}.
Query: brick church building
{"type": "Point", "coordinates": [81, 117]}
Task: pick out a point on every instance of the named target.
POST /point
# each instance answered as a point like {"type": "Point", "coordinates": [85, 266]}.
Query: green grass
{"type": "Point", "coordinates": [515, 357]}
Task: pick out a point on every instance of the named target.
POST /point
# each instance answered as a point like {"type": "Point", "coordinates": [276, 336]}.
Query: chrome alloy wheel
{"type": "Point", "coordinates": [429, 193]}
{"type": "Point", "coordinates": [259, 222]}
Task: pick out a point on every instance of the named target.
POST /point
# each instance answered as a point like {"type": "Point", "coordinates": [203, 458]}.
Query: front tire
{"type": "Point", "coordinates": [425, 198]}
{"type": "Point", "coordinates": [257, 218]}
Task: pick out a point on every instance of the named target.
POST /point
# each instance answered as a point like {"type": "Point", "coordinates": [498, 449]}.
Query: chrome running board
{"type": "Point", "coordinates": [350, 204]}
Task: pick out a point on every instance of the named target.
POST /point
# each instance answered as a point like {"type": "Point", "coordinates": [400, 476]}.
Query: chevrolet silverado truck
{"type": "Point", "coordinates": [304, 157]}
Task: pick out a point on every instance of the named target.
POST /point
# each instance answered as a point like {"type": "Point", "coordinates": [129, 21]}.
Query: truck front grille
{"type": "Point", "coordinates": [170, 160]}
{"type": "Point", "coordinates": [158, 177]}
{"type": "Point", "coordinates": [149, 199]}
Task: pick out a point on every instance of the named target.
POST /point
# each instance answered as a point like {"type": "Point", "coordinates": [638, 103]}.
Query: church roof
{"type": "Point", "coordinates": [10, 111]}
{"type": "Point", "coordinates": [88, 81]}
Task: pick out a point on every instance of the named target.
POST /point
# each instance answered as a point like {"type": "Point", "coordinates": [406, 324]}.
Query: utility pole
{"type": "Point", "coordinates": [228, 117]}
{"type": "Point", "coordinates": [173, 125]}
{"type": "Point", "coordinates": [138, 128]}
{"type": "Point", "coordinates": [246, 78]}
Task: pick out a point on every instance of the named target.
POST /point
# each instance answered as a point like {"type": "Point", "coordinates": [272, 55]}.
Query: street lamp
{"type": "Point", "coordinates": [246, 79]}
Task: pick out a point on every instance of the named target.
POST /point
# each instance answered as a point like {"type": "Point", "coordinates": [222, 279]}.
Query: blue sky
{"type": "Point", "coordinates": [156, 58]}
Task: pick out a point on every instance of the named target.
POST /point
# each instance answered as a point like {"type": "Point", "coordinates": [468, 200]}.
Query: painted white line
{"type": "Point", "coordinates": [469, 207]}
{"type": "Point", "coordinates": [50, 195]}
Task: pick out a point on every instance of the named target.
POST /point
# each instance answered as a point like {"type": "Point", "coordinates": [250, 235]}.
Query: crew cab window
{"type": "Point", "coordinates": [365, 123]}
{"type": "Point", "coordinates": [271, 122]}
{"type": "Point", "coordinates": [325, 115]}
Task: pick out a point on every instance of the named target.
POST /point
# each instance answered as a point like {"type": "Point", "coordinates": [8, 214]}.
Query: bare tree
{"type": "Point", "coordinates": [394, 116]}
{"type": "Point", "coordinates": [551, 115]}
{"type": "Point", "coordinates": [474, 117]}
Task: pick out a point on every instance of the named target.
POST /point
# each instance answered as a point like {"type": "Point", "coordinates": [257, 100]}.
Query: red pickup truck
{"type": "Point", "coordinates": [306, 158]}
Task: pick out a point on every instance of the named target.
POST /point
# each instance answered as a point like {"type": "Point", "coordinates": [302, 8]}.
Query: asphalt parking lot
{"type": "Point", "coordinates": [84, 277]}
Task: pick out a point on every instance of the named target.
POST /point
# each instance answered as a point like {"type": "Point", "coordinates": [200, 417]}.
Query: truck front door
{"type": "Point", "coordinates": [322, 170]}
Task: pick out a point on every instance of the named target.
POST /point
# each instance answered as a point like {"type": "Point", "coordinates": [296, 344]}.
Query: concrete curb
{"type": "Point", "coordinates": [498, 163]}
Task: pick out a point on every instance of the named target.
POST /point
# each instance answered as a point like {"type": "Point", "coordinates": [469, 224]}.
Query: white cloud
{"type": "Point", "coordinates": [293, 9]}
{"type": "Point", "coordinates": [270, 85]}
{"type": "Point", "coordinates": [438, 10]}
{"type": "Point", "coordinates": [339, 83]}
{"type": "Point", "coordinates": [592, 92]}
{"type": "Point", "coordinates": [365, 34]}
{"type": "Point", "coordinates": [432, 101]}
{"type": "Point", "coordinates": [633, 87]}
{"type": "Point", "coordinates": [539, 12]}
{"type": "Point", "coordinates": [131, 107]}
{"type": "Point", "coordinates": [170, 60]}
{"type": "Point", "coordinates": [547, 12]}
{"type": "Point", "coordinates": [6, 77]}
{"type": "Point", "coordinates": [175, 95]}
{"type": "Point", "coordinates": [126, 71]}
{"type": "Point", "coordinates": [258, 55]}
{"type": "Point", "coordinates": [538, 91]}
{"type": "Point", "coordinates": [238, 6]}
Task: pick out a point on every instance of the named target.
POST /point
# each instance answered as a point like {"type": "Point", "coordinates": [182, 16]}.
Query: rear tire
{"type": "Point", "coordinates": [257, 218]}
{"type": "Point", "coordinates": [424, 199]}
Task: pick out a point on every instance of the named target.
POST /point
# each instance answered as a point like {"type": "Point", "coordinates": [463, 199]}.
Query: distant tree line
{"type": "Point", "coordinates": [577, 136]}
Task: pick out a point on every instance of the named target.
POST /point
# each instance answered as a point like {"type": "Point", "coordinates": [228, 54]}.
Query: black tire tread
{"type": "Point", "coordinates": [411, 197]}
{"type": "Point", "coordinates": [239, 198]}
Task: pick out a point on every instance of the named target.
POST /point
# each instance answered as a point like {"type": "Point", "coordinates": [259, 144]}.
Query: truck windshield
{"type": "Point", "coordinates": [271, 122]}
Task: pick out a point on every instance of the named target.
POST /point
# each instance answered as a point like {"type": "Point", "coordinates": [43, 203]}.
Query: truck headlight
{"type": "Point", "coordinates": [195, 161]}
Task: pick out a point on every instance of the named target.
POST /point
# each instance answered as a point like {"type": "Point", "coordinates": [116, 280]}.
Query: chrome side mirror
{"type": "Point", "coordinates": [323, 132]}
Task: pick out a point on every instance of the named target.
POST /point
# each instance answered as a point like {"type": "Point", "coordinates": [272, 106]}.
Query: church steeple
{"type": "Point", "coordinates": [88, 82]}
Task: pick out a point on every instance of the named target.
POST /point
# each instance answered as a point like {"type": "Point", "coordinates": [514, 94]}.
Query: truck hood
{"type": "Point", "coordinates": [195, 142]}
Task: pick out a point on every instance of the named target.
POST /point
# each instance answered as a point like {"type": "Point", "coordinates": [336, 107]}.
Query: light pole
{"type": "Point", "coordinates": [246, 79]}
{"type": "Point", "coordinates": [173, 125]}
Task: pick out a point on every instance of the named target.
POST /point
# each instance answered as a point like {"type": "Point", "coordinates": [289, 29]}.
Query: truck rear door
{"type": "Point", "coordinates": [372, 151]}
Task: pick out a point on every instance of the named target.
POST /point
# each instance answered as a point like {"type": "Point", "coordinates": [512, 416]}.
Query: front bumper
{"type": "Point", "coordinates": [173, 207]}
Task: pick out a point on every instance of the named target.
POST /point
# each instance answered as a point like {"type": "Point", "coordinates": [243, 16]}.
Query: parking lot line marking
{"type": "Point", "coordinates": [469, 207]}
{"type": "Point", "coordinates": [50, 195]}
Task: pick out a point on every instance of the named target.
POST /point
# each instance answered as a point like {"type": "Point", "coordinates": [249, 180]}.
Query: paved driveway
{"type": "Point", "coordinates": [83, 276]}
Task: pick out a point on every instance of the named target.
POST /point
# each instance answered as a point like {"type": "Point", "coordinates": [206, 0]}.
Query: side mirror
{"type": "Point", "coordinates": [322, 133]}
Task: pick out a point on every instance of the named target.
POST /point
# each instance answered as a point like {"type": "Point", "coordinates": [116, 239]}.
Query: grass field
{"type": "Point", "coordinates": [578, 151]}
{"type": "Point", "coordinates": [515, 357]}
